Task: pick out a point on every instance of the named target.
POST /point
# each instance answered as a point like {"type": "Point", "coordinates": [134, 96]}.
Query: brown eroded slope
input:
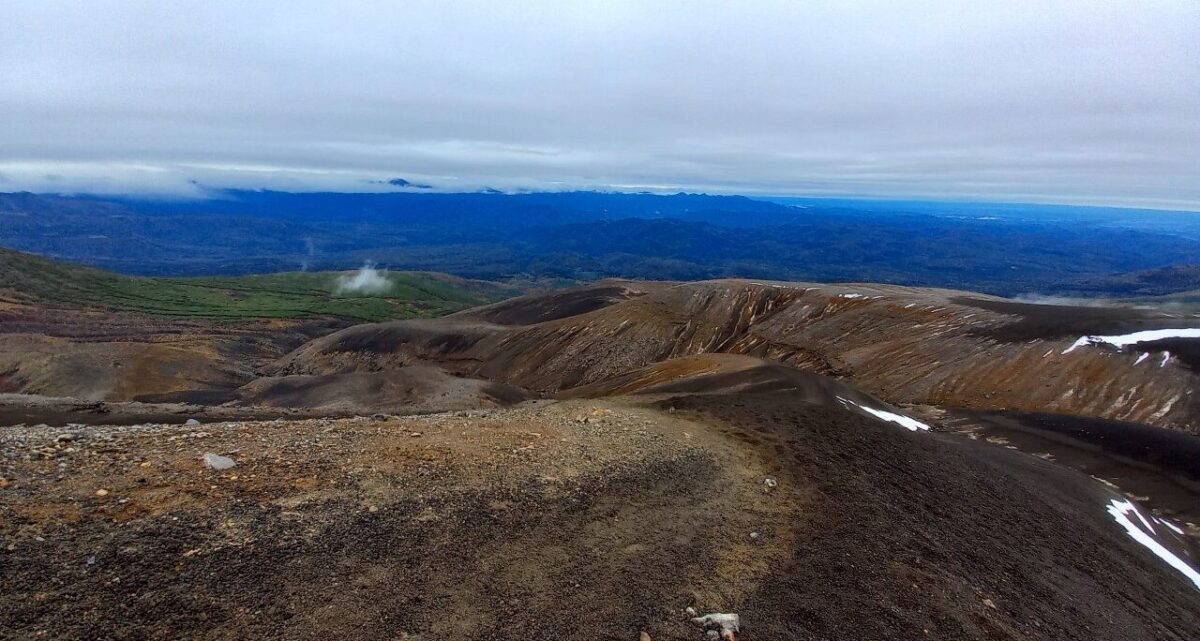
{"type": "Point", "coordinates": [906, 345]}
{"type": "Point", "coordinates": [86, 353]}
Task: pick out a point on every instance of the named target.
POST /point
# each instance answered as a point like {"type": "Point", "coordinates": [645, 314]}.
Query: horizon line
{"type": "Point", "coordinates": [214, 193]}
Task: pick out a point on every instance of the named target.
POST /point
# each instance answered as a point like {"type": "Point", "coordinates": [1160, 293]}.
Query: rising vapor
{"type": "Point", "coordinates": [367, 280]}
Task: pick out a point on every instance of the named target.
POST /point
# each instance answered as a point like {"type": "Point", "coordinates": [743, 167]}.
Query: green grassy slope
{"type": "Point", "coordinates": [283, 295]}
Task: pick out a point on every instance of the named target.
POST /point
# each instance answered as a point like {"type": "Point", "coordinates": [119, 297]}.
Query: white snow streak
{"type": "Point", "coordinates": [1120, 510]}
{"type": "Point", "coordinates": [1174, 528]}
{"type": "Point", "coordinates": [1121, 340]}
{"type": "Point", "coordinates": [906, 422]}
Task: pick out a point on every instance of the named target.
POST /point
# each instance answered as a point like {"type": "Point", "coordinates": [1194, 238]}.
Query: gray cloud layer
{"type": "Point", "coordinates": [1047, 101]}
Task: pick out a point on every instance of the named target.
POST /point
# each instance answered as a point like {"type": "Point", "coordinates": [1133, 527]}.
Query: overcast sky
{"type": "Point", "coordinates": [1087, 102]}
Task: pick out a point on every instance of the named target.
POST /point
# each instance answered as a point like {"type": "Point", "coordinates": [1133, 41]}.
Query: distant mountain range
{"type": "Point", "coordinates": [1005, 249]}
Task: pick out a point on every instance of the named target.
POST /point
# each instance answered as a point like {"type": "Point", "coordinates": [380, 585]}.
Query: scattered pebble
{"type": "Point", "coordinates": [101, 492]}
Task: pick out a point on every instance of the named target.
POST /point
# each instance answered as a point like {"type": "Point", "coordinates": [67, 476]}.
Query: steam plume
{"type": "Point", "coordinates": [367, 280]}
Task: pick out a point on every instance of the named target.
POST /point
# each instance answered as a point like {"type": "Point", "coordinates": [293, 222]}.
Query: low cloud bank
{"type": "Point", "coordinates": [367, 280]}
{"type": "Point", "coordinates": [1039, 299]}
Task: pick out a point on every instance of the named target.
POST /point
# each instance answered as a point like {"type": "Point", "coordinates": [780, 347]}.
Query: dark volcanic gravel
{"type": "Point", "coordinates": [917, 535]}
{"type": "Point", "coordinates": [1036, 320]}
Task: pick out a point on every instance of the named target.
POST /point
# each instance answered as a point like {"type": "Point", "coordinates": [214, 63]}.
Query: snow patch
{"type": "Point", "coordinates": [1142, 357]}
{"type": "Point", "coordinates": [906, 422]}
{"type": "Point", "coordinates": [1121, 509]}
{"type": "Point", "coordinates": [1121, 340]}
{"type": "Point", "coordinates": [1174, 528]}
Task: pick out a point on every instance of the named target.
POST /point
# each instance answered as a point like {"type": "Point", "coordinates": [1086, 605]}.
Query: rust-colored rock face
{"type": "Point", "coordinates": [909, 345]}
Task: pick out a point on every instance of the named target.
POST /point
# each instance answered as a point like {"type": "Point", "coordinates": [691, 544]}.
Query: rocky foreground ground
{"type": "Point", "coordinates": [577, 519]}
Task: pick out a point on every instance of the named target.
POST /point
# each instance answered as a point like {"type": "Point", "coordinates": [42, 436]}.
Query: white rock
{"type": "Point", "coordinates": [218, 462]}
{"type": "Point", "coordinates": [728, 624]}
{"type": "Point", "coordinates": [192, 421]}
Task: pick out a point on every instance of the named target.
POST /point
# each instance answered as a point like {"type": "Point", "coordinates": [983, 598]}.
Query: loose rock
{"type": "Point", "coordinates": [218, 462]}
{"type": "Point", "coordinates": [725, 624]}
